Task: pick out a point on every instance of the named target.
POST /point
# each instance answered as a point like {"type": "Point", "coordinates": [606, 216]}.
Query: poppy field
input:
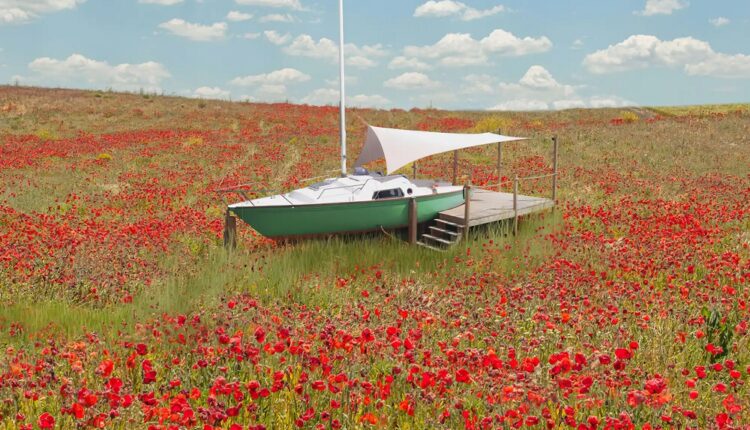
{"type": "Point", "coordinates": [626, 307]}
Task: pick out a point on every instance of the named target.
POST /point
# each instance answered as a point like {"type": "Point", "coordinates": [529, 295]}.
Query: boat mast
{"type": "Point", "coordinates": [342, 102]}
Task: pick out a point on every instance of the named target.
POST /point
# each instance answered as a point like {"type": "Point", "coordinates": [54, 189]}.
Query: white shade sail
{"type": "Point", "coordinates": [401, 147]}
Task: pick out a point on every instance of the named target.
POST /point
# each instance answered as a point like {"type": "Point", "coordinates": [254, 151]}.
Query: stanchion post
{"type": "Point", "coordinates": [515, 205]}
{"type": "Point", "coordinates": [554, 169]}
{"type": "Point", "coordinates": [413, 221]}
{"type": "Point", "coordinates": [499, 159]}
{"type": "Point", "coordinates": [455, 166]}
{"type": "Point", "coordinates": [467, 210]}
{"type": "Point", "coordinates": [230, 231]}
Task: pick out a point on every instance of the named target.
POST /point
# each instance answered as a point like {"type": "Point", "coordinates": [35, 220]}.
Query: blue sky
{"type": "Point", "coordinates": [475, 54]}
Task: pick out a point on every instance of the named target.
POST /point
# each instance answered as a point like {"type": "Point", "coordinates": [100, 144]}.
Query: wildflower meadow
{"type": "Point", "coordinates": [627, 306]}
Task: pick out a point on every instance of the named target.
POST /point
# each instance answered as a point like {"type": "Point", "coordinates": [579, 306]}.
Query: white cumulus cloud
{"type": "Point", "coordinates": [272, 85]}
{"type": "Point", "coordinates": [304, 45]}
{"type": "Point", "coordinates": [360, 62]}
{"type": "Point", "coordinates": [719, 22]}
{"type": "Point", "coordinates": [537, 89]}
{"type": "Point", "coordinates": [537, 83]}
{"type": "Point", "coordinates": [695, 56]}
{"type": "Point", "coordinates": [277, 38]}
{"type": "Point", "coordinates": [363, 100]}
{"type": "Point", "coordinates": [350, 80]}
{"type": "Point", "coordinates": [538, 77]}
{"type": "Point", "coordinates": [237, 16]}
{"type": "Point", "coordinates": [278, 77]}
{"type": "Point", "coordinates": [411, 81]}
{"type": "Point", "coordinates": [288, 4]}
{"type": "Point", "coordinates": [161, 2]}
{"type": "Point", "coordinates": [401, 62]}
{"type": "Point", "coordinates": [21, 11]}
{"type": "Point", "coordinates": [722, 66]}
{"type": "Point", "coordinates": [521, 105]}
{"type": "Point", "coordinates": [277, 17]}
{"type": "Point", "coordinates": [78, 70]}
{"type": "Point", "coordinates": [461, 49]}
{"type": "Point", "coordinates": [330, 96]}
{"type": "Point", "coordinates": [608, 102]}
{"type": "Point", "coordinates": [211, 93]}
{"type": "Point", "coordinates": [196, 32]}
{"type": "Point", "coordinates": [322, 97]}
{"type": "Point", "coordinates": [444, 8]}
{"type": "Point", "coordinates": [482, 84]}
{"type": "Point", "coordinates": [568, 104]}
{"type": "Point", "coordinates": [662, 7]}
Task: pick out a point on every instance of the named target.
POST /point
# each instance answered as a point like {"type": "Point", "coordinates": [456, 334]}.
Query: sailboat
{"type": "Point", "coordinates": [364, 201]}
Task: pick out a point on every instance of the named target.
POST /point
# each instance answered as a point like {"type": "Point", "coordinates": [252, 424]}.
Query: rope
{"type": "Point", "coordinates": [362, 120]}
{"type": "Point", "coordinates": [536, 177]}
{"type": "Point", "coordinates": [525, 178]}
{"type": "Point", "coordinates": [387, 234]}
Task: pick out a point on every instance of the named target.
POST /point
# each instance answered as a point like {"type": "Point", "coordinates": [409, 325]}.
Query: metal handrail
{"type": "Point", "coordinates": [283, 196]}
{"type": "Point", "coordinates": [242, 187]}
{"type": "Point", "coordinates": [361, 186]}
{"type": "Point", "coordinates": [287, 200]}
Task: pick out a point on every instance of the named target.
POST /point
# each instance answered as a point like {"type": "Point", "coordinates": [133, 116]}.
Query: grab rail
{"type": "Point", "coordinates": [361, 186]}
{"type": "Point", "coordinates": [243, 187]}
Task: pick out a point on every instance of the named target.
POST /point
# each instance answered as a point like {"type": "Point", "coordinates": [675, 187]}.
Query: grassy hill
{"type": "Point", "coordinates": [626, 306]}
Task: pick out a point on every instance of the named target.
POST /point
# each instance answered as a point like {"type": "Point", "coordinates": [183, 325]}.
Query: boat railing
{"type": "Point", "coordinates": [246, 189]}
{"type": "Point", "coordinates": [358, 186]}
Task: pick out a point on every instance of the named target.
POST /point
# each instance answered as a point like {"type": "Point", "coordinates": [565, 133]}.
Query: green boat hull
{"type": "Point", "coordinates": [322, 219]}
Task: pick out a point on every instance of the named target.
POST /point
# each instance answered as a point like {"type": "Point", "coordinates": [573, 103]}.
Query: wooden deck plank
{"type": "Point", "coordinates": [489, 206]}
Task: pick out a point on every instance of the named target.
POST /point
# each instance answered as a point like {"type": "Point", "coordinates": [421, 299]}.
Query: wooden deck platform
{"type": "Point", "coordinates": [490, 206]}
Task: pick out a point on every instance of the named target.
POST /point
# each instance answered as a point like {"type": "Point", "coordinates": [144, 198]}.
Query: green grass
{"type": "Point", "coordinates": [701, 110]}
{"type": "Point", "coordinates": [304, 272]}
{"type": "Point", "coordinates": [180, 293]}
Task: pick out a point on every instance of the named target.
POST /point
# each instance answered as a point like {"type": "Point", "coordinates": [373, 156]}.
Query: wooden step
{"type": "Point", "coordinates": [437, 239]}
{"type": "Point", "coordinates": [449, 223]}
{"type": "Point", "coordinates": [453, 234]}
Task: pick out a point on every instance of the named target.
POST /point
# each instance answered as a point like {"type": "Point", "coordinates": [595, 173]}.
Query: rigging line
{"type": "Point", "coordinates": [359, 117]}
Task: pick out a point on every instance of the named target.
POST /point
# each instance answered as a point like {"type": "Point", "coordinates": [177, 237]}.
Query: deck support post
{"type": "Point", "coordinates": [467, 210]}
{"type": "Point", "coordinates": [455, 167]}
{"type": "Point", "coordinates": [413, 221]}
{"type": "Point", "coordinates": [230, 231]}
{"type": "Point", "coordinates": [554, 170]}
{"type": "Point", "coordinates": [515, 205]}
{"type": "Point", "coordinates": [499, 160]}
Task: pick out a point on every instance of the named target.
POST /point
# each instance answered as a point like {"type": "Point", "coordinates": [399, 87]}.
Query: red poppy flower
{"type": "Point", "coordinates": [655, 385]}
{"type": "Point", "coordinates": [623, 354]}
{"type": "Point", "coordinates": [462, 375]}
{"type": "Point", "coordinates": [46, 421]}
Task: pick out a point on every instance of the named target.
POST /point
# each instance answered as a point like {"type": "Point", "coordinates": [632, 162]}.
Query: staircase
{"type": "Point", "coordinates": [441, 234]}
